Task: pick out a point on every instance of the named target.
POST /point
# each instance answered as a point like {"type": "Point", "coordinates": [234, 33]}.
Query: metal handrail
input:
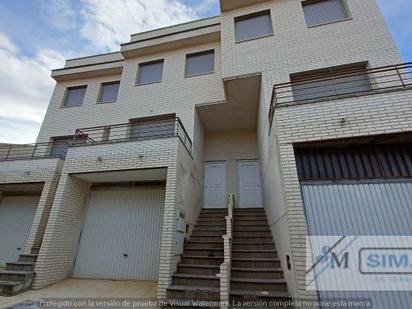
{"type": "Point", "coordinates": [341, 85]}
{"type": "Point", "coordinates": [135, 130]}
{"type": "Point", "coordinates": [226, 266]}
{"type": "Point", "coordinates": [10, 152]}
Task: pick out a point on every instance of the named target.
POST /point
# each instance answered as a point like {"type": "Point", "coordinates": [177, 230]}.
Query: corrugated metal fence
{"type": "Point", "coordinates": [374, 208]}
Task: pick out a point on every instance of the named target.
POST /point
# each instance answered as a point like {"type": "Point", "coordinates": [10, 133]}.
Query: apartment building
{"type": "Point", "coordinates": [284, 109]}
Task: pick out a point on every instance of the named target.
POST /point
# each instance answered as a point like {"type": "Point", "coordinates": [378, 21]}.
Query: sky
{"type": "Point", "coordinates": [38, 35]}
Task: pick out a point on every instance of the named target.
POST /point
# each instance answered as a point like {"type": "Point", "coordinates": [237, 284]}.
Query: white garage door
{"type": "Point", "coordinates": [366, 209]}
{"type": "Point", "coordinates": [121, 235]}
{"type": "Point", "coordinates": [16, 218]}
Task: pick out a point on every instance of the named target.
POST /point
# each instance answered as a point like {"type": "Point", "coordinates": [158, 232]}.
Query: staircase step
{"type": "Point", "coordinates": [195, 280]}
{"type": "Point", "coordinates": [246, 222]}
{"type": "Point", "coordinates": [35, 250]}
{"type": "Point", "coordinates": [16, 275]}
{"type": "Point", "coordinates": [204, 252]}
{"type": "Point", "coordinates": [206, 238]}
{"type": "Point", "coordinates": [258, 239]}
{"type": "Point", "coordinates": [207, 210]}
{"type": "Point", "coordinates": [211, 221]}
{"type": "Point", "coordinates": [252, 228]}
{"type": "Point", "coordinates": [217, 224]}
{"type": "Point", "coordinates": [257, 273]}
{"type": "Point", "coordinates": [250, 217]}
{"type": "Point", "coordinates": [207, 228]}
{"type": "Point", "coordinates": [11, 288]}
{"type": "Point", "coordinates": [251, 233]}
{"type": "Point", "coordinates": [24, 266]}
{"type": "Point", "coordinates": [253, 246]}
{"type": "Point", "coordinates": [28, 258]}
{"type": "Point", "coordinates": [249, 209]}
{"type": "Point", "coordinates": [204, 245]}
{"type": "Point", "coordinates": [193, 292]}
{"type": "Point", "coordinates": [256, 262]}
{"type": "Point", "coordinates": [208, 233]}
{"type": "Point", "coordinates": [201, 260]}
{"type": "Point", "coordinates": [249, 295]}
{"type": "Point", "coordinates": [254, 253]}
{"type": "Point", "coordinates": [269, 285]}
{"type": "Point", "coordinates": [198, 269]}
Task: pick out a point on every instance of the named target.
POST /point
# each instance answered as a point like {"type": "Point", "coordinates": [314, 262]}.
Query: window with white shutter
{"type": "Point", "coordinates": [319, 12]}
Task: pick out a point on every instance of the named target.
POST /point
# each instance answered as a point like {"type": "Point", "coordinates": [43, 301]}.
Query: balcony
{"type": "Point", "coordinates": [9, 152]}
{"type": "Point", "coordinates": [140, 129]}
{"type": "Point", "coordinates": [341, 85]}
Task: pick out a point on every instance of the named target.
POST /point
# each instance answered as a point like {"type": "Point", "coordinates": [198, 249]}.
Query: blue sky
{"type": "Point", "coordinates": [37, 35]}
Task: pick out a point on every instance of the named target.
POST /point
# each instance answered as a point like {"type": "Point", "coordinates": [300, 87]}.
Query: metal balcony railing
{"type": "Point", "coordinates": [29, 151]}
{"type": "Point", "coordinates": [332, 86]}
{"type": "Point", "coordinates": [135, 131]}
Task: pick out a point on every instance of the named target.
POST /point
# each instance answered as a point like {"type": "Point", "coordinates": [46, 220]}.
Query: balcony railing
{"type": "Point", "coordinates": [341, 85]}
{"type": "Point", "coordinates": [135, 131]}
{"type": "Point", "coordinates": [30, 151]}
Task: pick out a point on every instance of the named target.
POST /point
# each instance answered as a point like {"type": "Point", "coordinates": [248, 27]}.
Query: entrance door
{"type": "Point", "coordinates": [215, 185]}
{"type": "Point", "coordinates": [249, 185]}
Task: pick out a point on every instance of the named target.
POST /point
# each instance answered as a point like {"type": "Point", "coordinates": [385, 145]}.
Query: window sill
{"type": "Point", "coordinates": [106, 102]}
{"type": "Point", "coordinates": [64, 106]}
{"type": "Point", "coordinates": [200, 74]}
{"type": "Point", "coordinates": [149, 83]}
{"type": "Point", "coordinates": [256, 38]}
{"type": "Point", "coordinates": [330, 22]}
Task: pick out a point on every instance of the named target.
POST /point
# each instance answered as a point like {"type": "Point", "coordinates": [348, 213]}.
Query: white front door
{"type": "Point", "coordinates": [215, 185]}
{"type": "Point", "coordinates": [249, 185]}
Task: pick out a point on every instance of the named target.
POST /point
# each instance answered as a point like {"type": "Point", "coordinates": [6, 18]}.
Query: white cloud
{"type": "Point", "coordinates": [25, 83]}
{"type": "Point", "coordinates": [59, 14]}
{"type": "Point", "coordinates": [6, 44]}
{"type": "Point", "coordinates": [109, 23]}
{"type": "Point", "coordinates": [25, 88]}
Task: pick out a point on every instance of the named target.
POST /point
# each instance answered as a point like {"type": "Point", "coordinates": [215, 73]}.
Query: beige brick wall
{"type": "Point", "coordinates": [231, 147]}
{"type": "Point", "coordinates": [58, 251]}
{"type": "Point", "coordinates": [295, 47]}
{"type": "Point", "coordinates": [292, 48]}
{"type": "Point", "coordinates": [175, 94]}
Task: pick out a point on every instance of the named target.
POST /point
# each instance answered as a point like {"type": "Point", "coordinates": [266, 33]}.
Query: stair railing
{"type": "Point", "coordinates": [225, 267]}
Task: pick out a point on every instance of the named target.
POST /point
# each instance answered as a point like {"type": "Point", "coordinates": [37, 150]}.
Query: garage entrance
{"type": "Point", "coordinates": [16, 219]}
{"type": "Point", "coordinates": [360, 191]}
{"type": "Point", "coordinates": [121, 235]}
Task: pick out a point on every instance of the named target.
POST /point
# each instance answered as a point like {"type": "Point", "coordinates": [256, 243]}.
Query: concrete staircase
{"type": "Point", "coordinates": [196, 278]}
{"type": "Point", "coordinates": [18, 276]}
{"type": "Point", "coordinates": [256, 271]}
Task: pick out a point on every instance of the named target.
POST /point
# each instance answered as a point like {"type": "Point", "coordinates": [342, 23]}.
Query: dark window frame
{"type": "Point", "coordinates": [312, 78]}
{"type": "Point", "coordinates": [99, 98]}
{"type": "Point", "coordinates": [250, 16]}
{"type": "Point", "coordinates": [167, 123]}
{"type": "Point", "coordinates": [309, 2]}
{"type": "Point", "coordinates": [148, 63]}
{"type": "Point", "coordinates": [66, 95]}
{"type": "Point", "coordinates": [204, 52]}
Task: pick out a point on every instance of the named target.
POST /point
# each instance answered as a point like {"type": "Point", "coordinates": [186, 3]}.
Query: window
{"type": "Point", "coordinates": [150, 72]}
{"type": "Point", "coordinates": [75, 96]}
{"type": "Point", "coordinates": [324, 11]}
{"type": "Point", "coordinates": [336, 82]}
{"type": "Point", "coordinates": [253, 26]}
{"type": "Point", "coordinates": [109, 92]}
{"type": "Point", "coordinates": [153, 127]}
{"type": "Point", "coordinates": [62, 144]}
{"type": "Point", "coordinates": [200, 63]}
